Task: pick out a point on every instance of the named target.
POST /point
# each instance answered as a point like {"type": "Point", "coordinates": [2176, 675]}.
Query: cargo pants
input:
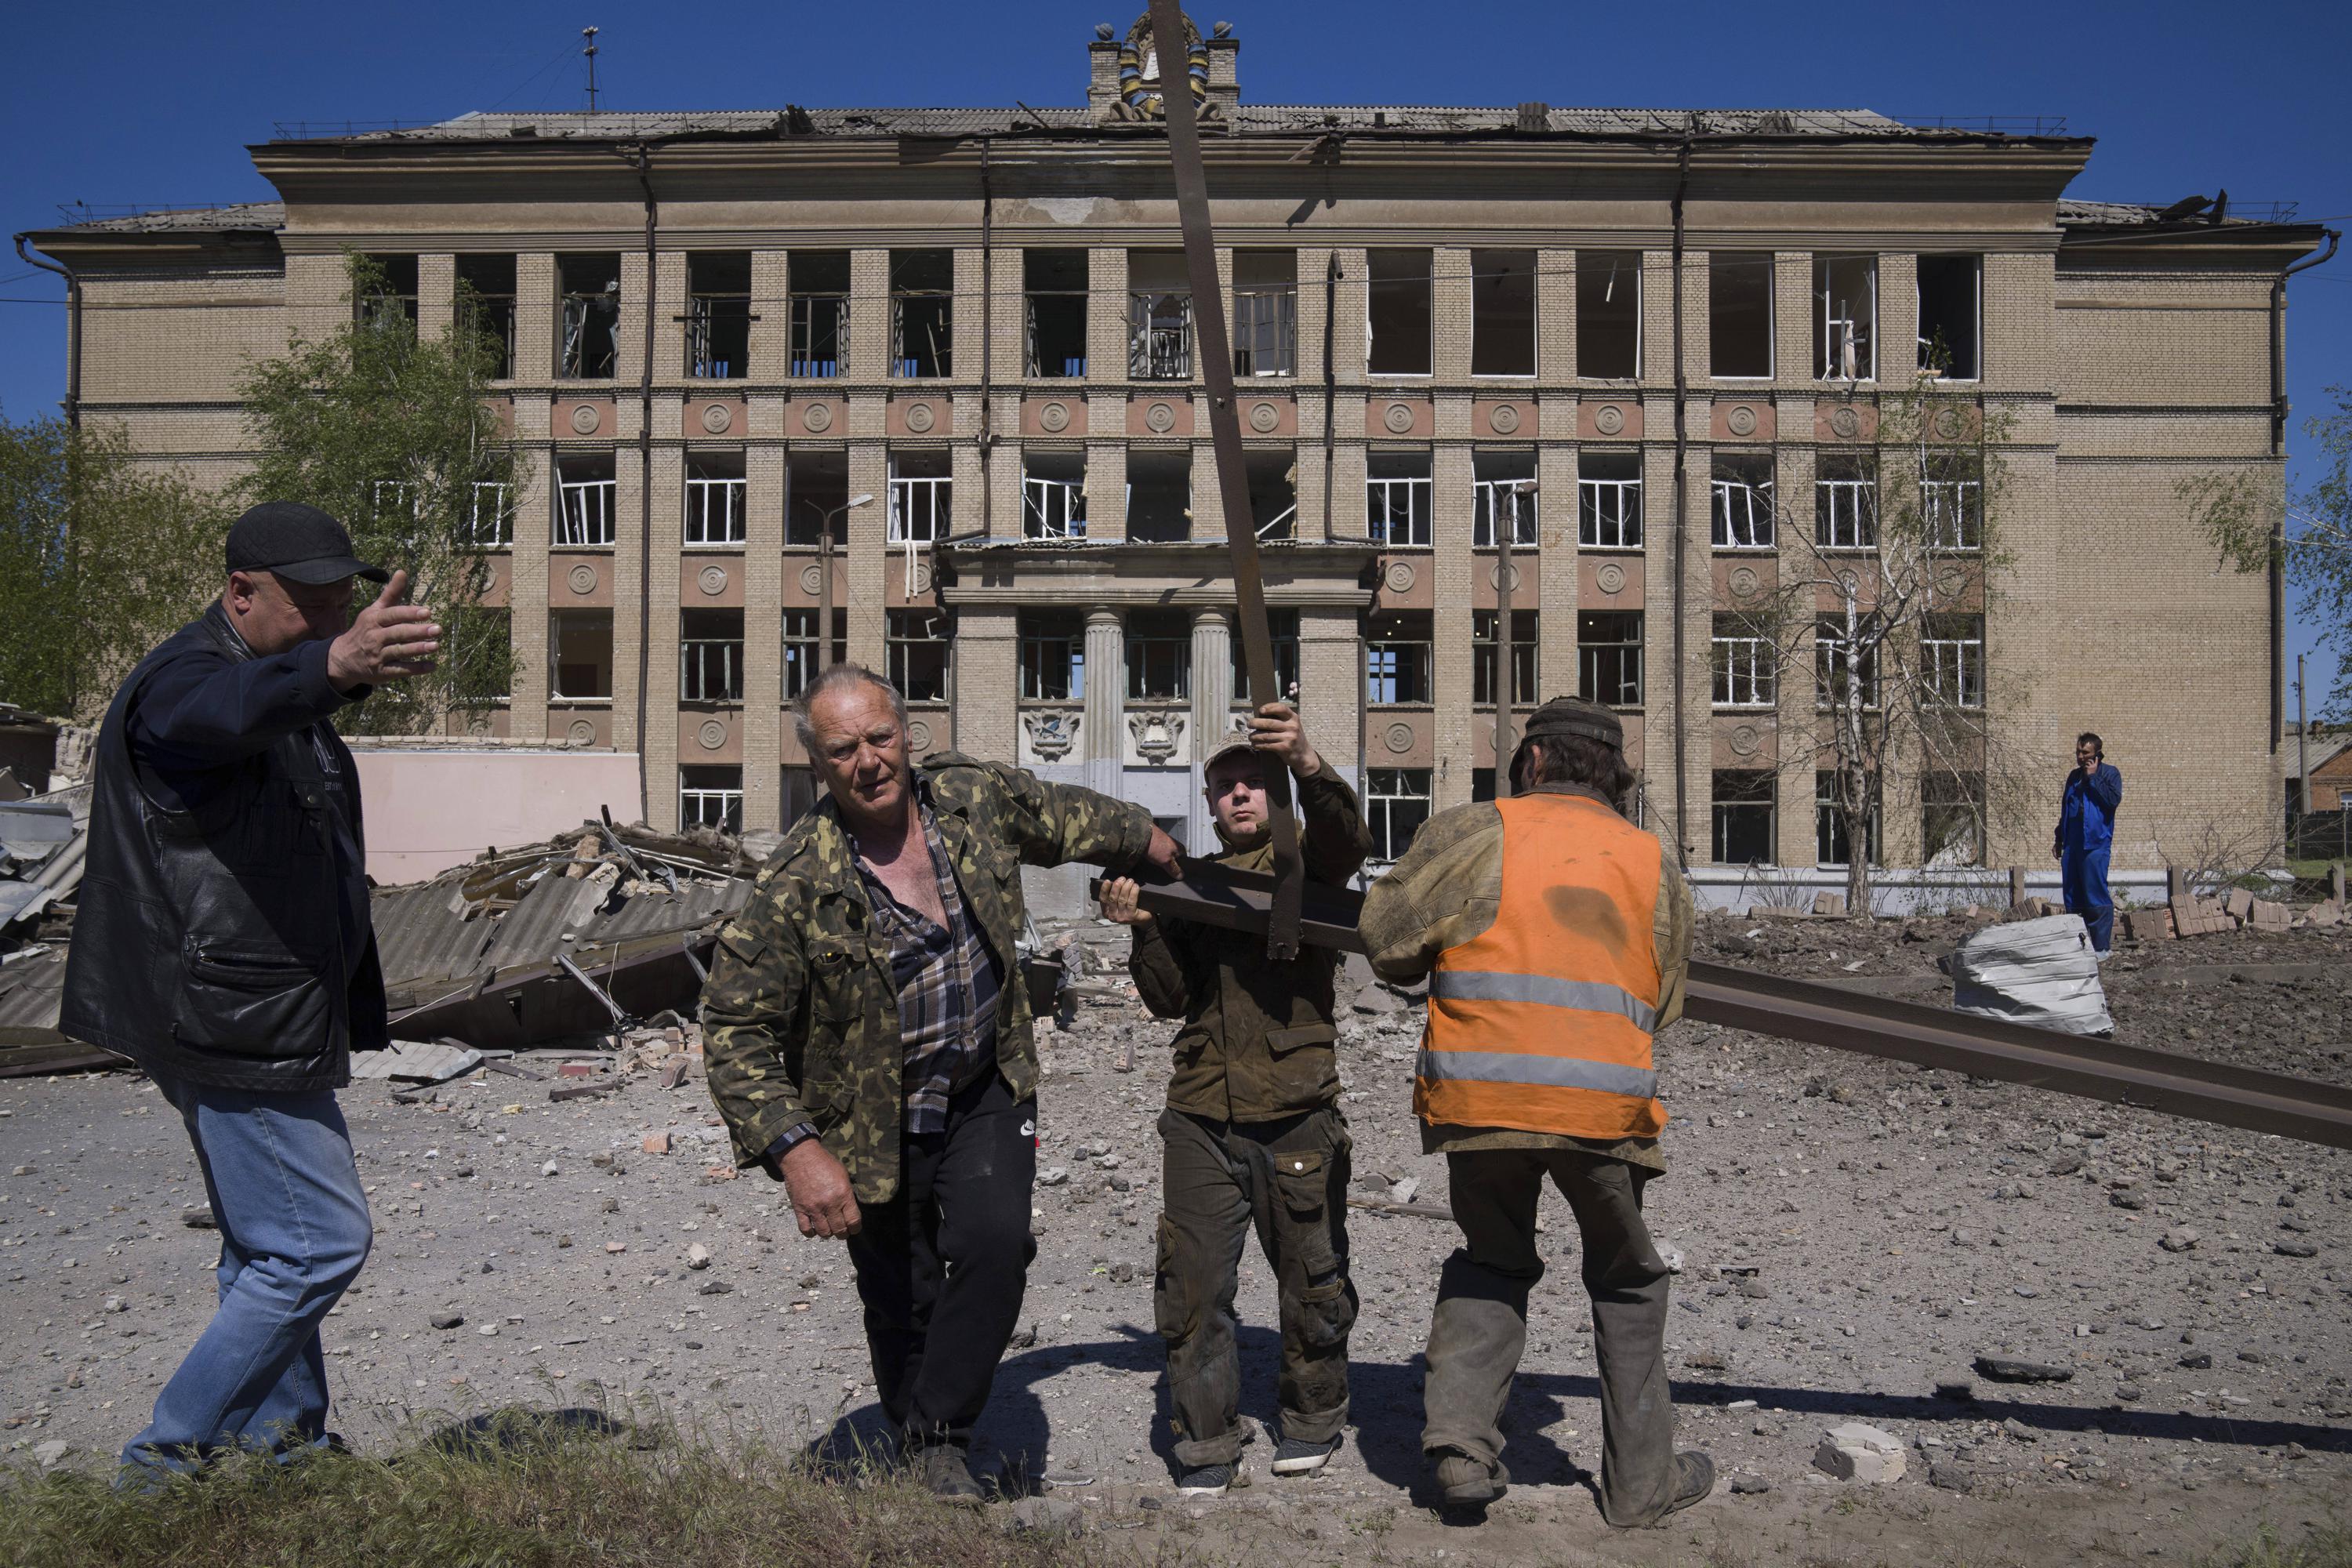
{"type": "Point", "coordinates": [1288, 1180]}
{"type": "Point", "coordinates": [1480, 1327]}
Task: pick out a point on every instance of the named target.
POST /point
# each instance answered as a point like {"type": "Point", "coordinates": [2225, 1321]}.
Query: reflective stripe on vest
{"type": "Point", "coordinates": [1541, 1023]}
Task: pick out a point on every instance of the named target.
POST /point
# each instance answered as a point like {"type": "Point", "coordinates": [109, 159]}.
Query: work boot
{"type": "Point", "coordinates": [946, 1470]}
{"type": "Point", "coordinates": [1470, 1483]}
{"type": "Point", "coordinates": [1693, 1478]}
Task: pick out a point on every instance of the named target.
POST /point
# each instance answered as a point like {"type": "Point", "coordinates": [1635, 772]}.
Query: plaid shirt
{"type": "Point", "coordinates": [948, 986]}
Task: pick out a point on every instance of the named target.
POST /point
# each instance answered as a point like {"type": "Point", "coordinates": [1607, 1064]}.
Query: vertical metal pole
{"type": "Point", "coordinates": [825, 588]}
{"type": "Point", "coordinates": [1226, 434]}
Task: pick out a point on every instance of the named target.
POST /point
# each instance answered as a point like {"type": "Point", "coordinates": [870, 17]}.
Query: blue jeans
{"type": "Point", "coordinates": [2085, 873]}
{"type": "Point", "coordinates": [294, 1230]}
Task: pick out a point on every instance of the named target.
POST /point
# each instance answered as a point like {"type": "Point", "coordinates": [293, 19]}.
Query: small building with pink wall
{"type": "Point", "coordinates": [431, 806]}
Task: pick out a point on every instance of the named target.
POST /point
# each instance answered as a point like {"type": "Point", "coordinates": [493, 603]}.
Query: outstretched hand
{"type": "Point", "coordinates": [387, 641]}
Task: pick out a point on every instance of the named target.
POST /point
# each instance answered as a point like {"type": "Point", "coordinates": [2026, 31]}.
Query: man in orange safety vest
{"type": "Point", "coordinates": [1555, 935]}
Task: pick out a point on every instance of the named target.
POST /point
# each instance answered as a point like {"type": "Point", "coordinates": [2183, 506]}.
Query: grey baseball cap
{"type": "Point", "coordinates": [298, 542]}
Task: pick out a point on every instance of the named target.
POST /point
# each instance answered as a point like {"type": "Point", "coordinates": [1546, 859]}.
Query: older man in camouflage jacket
{"type": "Point", "coordinates": [868, 1041]}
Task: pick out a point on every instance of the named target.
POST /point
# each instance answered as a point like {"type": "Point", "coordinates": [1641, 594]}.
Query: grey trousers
{"type": "Point", "coordinates": [1480, 1327]}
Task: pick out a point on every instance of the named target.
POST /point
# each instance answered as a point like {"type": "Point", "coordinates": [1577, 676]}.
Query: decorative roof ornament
{"type": "Point", "coordinates": [1139, 87]}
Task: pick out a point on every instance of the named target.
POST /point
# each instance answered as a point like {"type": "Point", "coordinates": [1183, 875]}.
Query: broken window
{"type": "Point", "coordinates": [1845, 503]}
{"type": "Point", "coordinates": [580, 647]}
{"type": "Point", "coordinates": [1951, 503]}
{"type": "Point", "coordinates": [1053, 495]}
{"type": "Point", "coordinates": [816, 496]}
{"type": "Point", "coordinates": [1743, 816]}
{"type": "Point", "coordinates": [710, 798]}
{"type": "Point", "coordinates": [917, 641]}
{"type": "Point", "coordinates": [1482, 657]}
{"type": "Point", "coordinates": [1159, 316]}
{"type": "Point", "coordinates": [711, 656]}
{"type": "Point", "coordinates": [486, 304]}
{"type": "Point", "coordinates": [714, 498]}
{"type": "Point", "coordinates": [922, 312]}
{"type": "Point", "coordinates": [1845, 318]}
{"type": "Point", "coordinates": [583, 497]}
{"type": "Point", "coordinates": [1159, 656]}
{"type": "Point", "coordinates": [1608, 315]}
{"type": "Point", "coordinates": [1502, 484]}
{"type": "Point", "coordinates": [1746, 666]}
{"type": "Point", "coordinates": [1951, 660]}
{"type": "Point", "coordinates": [1400, 317]}
{"type": "Point", "coordinates": [801, 636]}
{"type": "Point", "coordinates": [389, 295]}
{"type": "Point", "coordinates": [1396, 803]}
{"type": "Point", "coordinates": [1951, 817]}
{"type": "Point", "coordinates": [1273, 493]}
{"type": "Point", "coordinates": [1739, 314]}
{"type": "Point", "coordinates": [1743, 501]}
{"type": "Point", "coordinates": [588, 288]}
{"type": "Point", "coordinates": [1265, 312]}
{"type": "Point", "coordinates": [1950, 316]}
{"type": "Point", "coordinates": [921, 489]}
{"type": "Point", "coordinates": [1843, 668]}
{"type": "Point", "coordinates": [1609, 657]}
{"type": "Point", "coordinates": [818, 288]}
{"type": "Point", "coordinates": [1397, 499]}
{"type": "Point", "coordinates": [1158, 495]}
{"type": "Point", "coordinates": [1054, 294]}
{"type": "Point", "coordinates": [1609, 500]}
{"type": "Point", "coordinates": [1502, 312]}
{"type": "Point", "coordinates": [1053, 656]}
{"type": "Point", "coordinates": [1830, 842]}
{"type": "Point", "coordinates": [1282, 630]}
{"type": "Point", "coordinates": [493, 515]}
{"type": "Point", "coordinates": [1397, 646]}
{"type": "Point", "coordinates": [718, 314]}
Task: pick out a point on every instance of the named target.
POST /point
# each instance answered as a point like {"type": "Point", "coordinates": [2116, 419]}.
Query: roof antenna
{"type": "Point", "coordinates": [590, 34]}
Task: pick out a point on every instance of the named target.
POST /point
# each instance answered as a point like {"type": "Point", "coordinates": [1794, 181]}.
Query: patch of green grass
{"type": "Point", "coordinates": [534, 1499]}
{"type": "Point", "coordinates": [2329, 1546]}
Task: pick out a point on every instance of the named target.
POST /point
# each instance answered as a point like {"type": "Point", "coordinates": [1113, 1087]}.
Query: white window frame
{"type": "Point", "coordinates": [1250, 306]}
{"type": "Point", "coordinates": [695, 807]}
{"type": "Point", "coordinates": [1384, 787]}
{"type": "Point", "coordinates": [1393, 647]}
{"type": "Point", "coordinates": [1953, 513]}
{"type": "Point", "coordinates": [1033, 650]}
{"type": "Point", "coordinates": [1053, 508]}
{"type": "Point", "coordinates": [697, 681]}
{"type": "Point", "coordinates": [1955, 665]}
{"type": "Point", "coordinates": [801, 362]}
{"type": "Point", "coordinates": [1588, 668]}
{"type": "Point", "coordinates": [1846, 514]}
{"type": "Point", "coordinates": [1602, 507]}
{"type": "Point", "coordinates": [1381, 500]}
{"type": "Point", "coordinates": [728, 492]}
{"type": "Point", "coordinates": [583, 511]}
{"type": "Point", "coordinates": [1828, 682]}
{"type": "Point", "coordinates": [1874, 822]}
{"type": "Point", "coordinates": [1487, 503]}
{"type": "Point", "coordinates": [499, 536]}
{"type": "Point", "coordinates": [1145, 340]}
{"type": "Point", "coordinates": [924, 498]}
{"type": "Point", "coordinates": [1747, 672]}
{"type": "Point", "coordinates": [1740, 525]}
{"type": "Point", "coordinates": [1826, 367]}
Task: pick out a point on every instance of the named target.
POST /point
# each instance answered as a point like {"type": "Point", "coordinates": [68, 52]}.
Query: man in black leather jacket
{"type": "Point", "coordinates": [222, 941]}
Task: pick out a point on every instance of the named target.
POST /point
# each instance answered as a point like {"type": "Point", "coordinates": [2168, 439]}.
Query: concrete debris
{"type": "Point", "coordinates": [2179, 1239]}
{"type": "Point", "coordinates": [417, 1061]}
{"type": "Point", "coordinates": [1858, 1451]}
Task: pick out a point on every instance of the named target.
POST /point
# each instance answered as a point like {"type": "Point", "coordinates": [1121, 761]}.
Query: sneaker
{"type": "Point", "coordinates": [1470, 1483]}
{"type": "Point", "coordinates": [1693, 1478]}
{"type": "Point", "coordinates": [1208, 1480]}
{"type": "Point", "coordinates": [946, 1470]}
{"type": "Point", "coordinates": [1297, 1456]}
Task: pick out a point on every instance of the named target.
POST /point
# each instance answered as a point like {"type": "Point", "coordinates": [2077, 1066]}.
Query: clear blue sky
{"type": "Point", "coordinates": [149, 105]}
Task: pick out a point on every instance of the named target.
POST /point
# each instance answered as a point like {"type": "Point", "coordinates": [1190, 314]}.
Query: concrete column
{"type": "Point", "coordinates": [666, 487]}
{"type": "Point", "coordinates": [1208, 498]}
{"type": "Point", "coordinates": [1450, 311]}
{"type": "Point", "coordinates": [1657, 316]}
{"type": "Point", "coordinates": [1555, 317]}
{"type": "Point", "coordinates": [1555, 577]}
{"type": "Point", "coordinates": [669, 330]}
{"type": "Point", "coordinates": [436, 297]}
{"type": "Point", "coordinates": [1106, 491]}
{"type": "Point", "coordinates": [987, 673]}
{"type": "Point", "coordinates": [534, 330]}
{"type": "Point", "coordinates": [772, 321]}
{"type": "Point", "coordinates": [1349, 302]}
{"type": "Point", "coordinates": [866, 557]}
{"type": "Point", "coordinates": [1792, 319]}
{"type": "Point", "coordinates": [1107, 316]}
{"type": "Point", "coordinates": [1793, 479]}
{"type": "Point", "coordinates": [637, 296]}
{"type": "Point", "coordinates": [869, 318]}
{"type": "Point", "coordinates": [764, 654]}
{"type": "Point", "coordinates": [1314, 269]}
{"type": "Point", "coordinates": [1101, 730]}
{"type": "Point", "coordinates": [1331, 686]}
{"type": "Point", "coordinates": [965, 337]}
{"type": "Point", "coordinates": [1457, 570]}
{"type": "Point", "coordinates": [1898, 319]}
{"type": "Point", "coordinates": [534, 505]}
{"type": "Point", "coordinates": [1213, 702]}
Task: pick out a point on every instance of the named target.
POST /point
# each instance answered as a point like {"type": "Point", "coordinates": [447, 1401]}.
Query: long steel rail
{"type": "Point", "coordinates": [1843, 1020]}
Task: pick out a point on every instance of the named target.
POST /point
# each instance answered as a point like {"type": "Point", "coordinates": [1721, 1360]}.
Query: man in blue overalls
{"type": "Point", "coordinates": [2086, 827]}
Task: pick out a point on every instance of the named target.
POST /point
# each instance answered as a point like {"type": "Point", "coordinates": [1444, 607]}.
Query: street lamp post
{"type": "Point", "coordinates": [824, 576]}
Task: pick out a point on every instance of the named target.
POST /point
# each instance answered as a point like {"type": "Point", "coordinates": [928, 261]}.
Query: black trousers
{"type": "Point", "coordinates": [943, 1266]}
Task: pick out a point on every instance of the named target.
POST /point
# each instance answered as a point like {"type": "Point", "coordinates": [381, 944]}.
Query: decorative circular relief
{"type": "Point", "coordinates": [1845, 422]}
{"type": "Point", "coordinates": [919, 736]}
{"type": "Point", "coordinates": [1741, 420]}
{"type": "Point", "coordinates": [1398, 417]}
{"type": "Point", "coordinates": [1744, 740]}
{"type": "Point", "coordinates": [1263, 417]}
{"type": "Point", "coordinates": [1053, 417]}
{"type": "Point", "coordinates": [1610, 578]}
{"type": "Point", "coordinates": [582, 732]}
{"type": "Point", "coordinates": [714, 579]}
{"type": "Point", "coordinates": [584, 578]}
{"type": "Point", "coordinates": [1161, 416]}
{"type": "Point", "coordinates": [920, 419]}
{"type": "Point", "coordinates": [1503, 419]}
{"type": "Point", "coordinates": [585, 419]}
{"type": "Point", "coordinates": [1399, 576]}
{"type": "Point", "coordinates": [817, 419]}
{"type": "Point", "coordinates": [1951, 582]}
{"type": "Point", "coordinates": [717, 418]}
{"type": "Point", "coordinates": [1495, 575]}
{"type": "Point", "coordinates": [1848, 584]}
{"type": "Point", "coordinates": [923, 584]}
{"type": "Point", "coordinates": [1609, 420]}
{"type": "Point", "coordinates": [1745, 581]}
{"type": "Point", "coordinates": [1398, 738]}
{"type": "Point", "coordinates": [713, 734]}
{"type": "Point", "coordinates": [1949, 423]}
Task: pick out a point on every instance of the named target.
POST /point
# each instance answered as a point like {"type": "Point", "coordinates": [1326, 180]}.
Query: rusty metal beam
{"type": "Point", "coordinates": [1842, 1020]}
{"type": "Point", "coordinates": [1216, 363]}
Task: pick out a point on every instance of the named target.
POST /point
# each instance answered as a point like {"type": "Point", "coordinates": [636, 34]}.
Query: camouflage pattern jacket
{"type": "Point", "coordinates": [801, 1015]}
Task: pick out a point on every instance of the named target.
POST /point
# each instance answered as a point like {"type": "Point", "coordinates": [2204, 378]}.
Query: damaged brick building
{"type": "Point", "coordinates": [927, 376]}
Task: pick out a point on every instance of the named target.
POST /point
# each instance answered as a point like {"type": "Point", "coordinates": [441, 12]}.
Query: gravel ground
{"type": "Point", "coordinates": [1854, 1235]}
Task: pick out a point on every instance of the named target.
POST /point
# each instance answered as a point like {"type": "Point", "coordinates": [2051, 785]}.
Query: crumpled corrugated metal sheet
{"type": "Point", "coordinates": [44, 848]}
{"type": "Point", "coordinates": [533, 931]}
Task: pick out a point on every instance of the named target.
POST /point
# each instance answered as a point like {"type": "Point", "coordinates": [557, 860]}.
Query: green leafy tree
{"type": "Point", "coordinates": [101, 557]}
{"type": "Point", "coordinates": [394, 434]}
{"type": "Point", "coordinates": [2242, 514]}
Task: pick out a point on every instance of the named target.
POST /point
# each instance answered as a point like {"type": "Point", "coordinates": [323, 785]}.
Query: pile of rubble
{"type": "Point", "coordinates": [2238, 910]}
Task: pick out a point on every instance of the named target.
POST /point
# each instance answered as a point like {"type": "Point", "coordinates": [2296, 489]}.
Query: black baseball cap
{"type": "Point", "coordinates": [298, 542]}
